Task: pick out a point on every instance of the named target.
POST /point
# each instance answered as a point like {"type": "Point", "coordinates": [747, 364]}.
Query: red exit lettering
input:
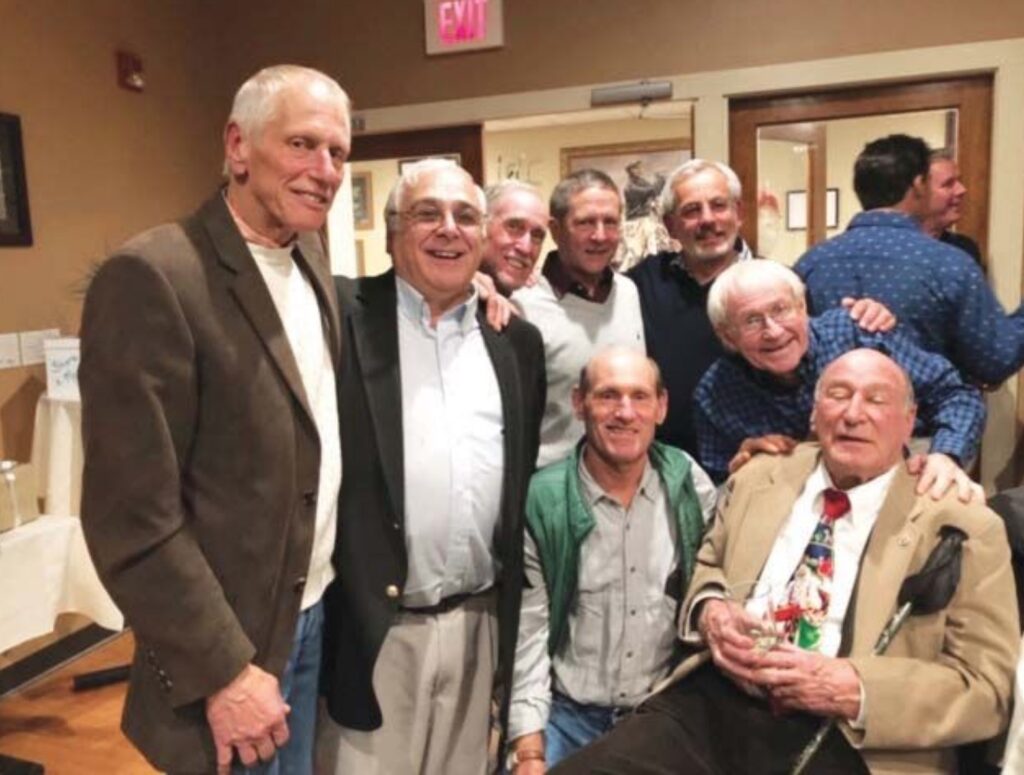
{"type": "Point", "coordinates": [460, 20]}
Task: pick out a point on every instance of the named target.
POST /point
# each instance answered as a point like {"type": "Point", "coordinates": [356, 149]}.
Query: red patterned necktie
{"type": "Point", "coordinates": [810, 589]}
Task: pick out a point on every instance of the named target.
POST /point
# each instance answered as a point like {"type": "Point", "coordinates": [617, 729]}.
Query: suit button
{"type": "Point", "coordinates": [300, 584]}
{"type": "Point", "coordinates": [396, 526]}
{"type": "Point", "coordinates": [392, 591]}
{"type": "Point", "coordinates": [309, 497]}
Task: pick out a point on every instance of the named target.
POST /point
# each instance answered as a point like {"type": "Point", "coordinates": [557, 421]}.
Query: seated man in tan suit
{"type": "Point", "coordinates": [832, 532]}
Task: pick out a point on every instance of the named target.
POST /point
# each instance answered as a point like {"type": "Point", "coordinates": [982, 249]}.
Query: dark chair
{"type": "Point", "coordinates": [1009, 504]}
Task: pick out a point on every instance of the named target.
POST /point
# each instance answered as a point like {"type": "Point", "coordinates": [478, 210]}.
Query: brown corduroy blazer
{"type": "Point", "coordinates": [201, 468]}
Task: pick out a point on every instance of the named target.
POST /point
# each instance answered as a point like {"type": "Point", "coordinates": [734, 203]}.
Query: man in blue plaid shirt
{"type": "Point", "coordinates": [759, 397]}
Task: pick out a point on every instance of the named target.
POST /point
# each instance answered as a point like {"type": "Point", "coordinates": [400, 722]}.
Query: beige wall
{"type": "Point", "coordinates": [570, 42]}
{"type": "Point", "coordinates": [101, 162]}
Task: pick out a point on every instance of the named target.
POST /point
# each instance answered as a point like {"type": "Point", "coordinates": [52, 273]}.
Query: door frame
{"type": "Point", "coordinates": [970, 95]}
{"type": "Point", "coordinates": [465, 140]}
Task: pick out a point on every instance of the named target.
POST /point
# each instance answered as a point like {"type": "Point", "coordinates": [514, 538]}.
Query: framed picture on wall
{"type": "Point", "coordinates": [796, 209]}
{"type": "Point", "coordinates": [639, 169]}
{"type": "Point", "coordinates": [831, 208]}
{"type": "Point", "coordinates": [362, 200]}
{"type": "Point", "coordinates": [15, 225]}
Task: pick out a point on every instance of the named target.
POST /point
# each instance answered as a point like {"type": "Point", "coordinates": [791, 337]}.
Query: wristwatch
{"type": "Point", "coordinates": [515, 758]}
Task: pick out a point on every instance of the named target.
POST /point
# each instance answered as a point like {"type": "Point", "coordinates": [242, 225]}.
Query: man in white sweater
{"type": "Point", "coordinates": [580, 304]}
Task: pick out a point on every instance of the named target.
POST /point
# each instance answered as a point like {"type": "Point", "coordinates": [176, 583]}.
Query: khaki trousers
{"type": "Point", "coordinates": [433, 679]}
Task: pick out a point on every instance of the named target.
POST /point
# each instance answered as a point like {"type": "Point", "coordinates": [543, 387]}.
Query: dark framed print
{"type": "Point", "coordinates": [15, 225]}
{"type": "Point", "coordinates": [362, 200]}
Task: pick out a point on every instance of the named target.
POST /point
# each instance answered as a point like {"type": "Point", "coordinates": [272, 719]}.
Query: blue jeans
{"type": "Point", "coordinates": [572, 725]}
{"type": "Point", "coordinates": [299, 688]}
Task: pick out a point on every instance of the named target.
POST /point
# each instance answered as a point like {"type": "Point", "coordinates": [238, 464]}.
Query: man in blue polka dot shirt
{"type": "Point", "coordinates": [759, 397]}
{"type": "Point", "coordinates": [939, 295]}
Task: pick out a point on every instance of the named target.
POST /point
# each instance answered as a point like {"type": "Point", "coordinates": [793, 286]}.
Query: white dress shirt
{"type": "Point", "coordinates": [454, 454]}
{"type": "Point", "coordinates": [849, 538]}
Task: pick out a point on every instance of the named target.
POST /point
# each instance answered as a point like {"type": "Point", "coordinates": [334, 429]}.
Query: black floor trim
{"type": "Point", "coordinates": [49, 657]}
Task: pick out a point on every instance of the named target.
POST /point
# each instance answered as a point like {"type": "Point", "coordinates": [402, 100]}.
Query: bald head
{"type": "Point", "coordinates": [626, 357]}
{"type": "Point", "coordinates": [863, 414]}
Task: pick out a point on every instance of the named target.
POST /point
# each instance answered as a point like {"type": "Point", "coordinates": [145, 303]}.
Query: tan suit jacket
{"type": "Point", "coordinates": [946, 678]}
{"type": "Point", "coordinates": [201, 468]}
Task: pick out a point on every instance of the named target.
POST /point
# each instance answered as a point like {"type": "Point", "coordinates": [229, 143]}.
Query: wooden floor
{"type": "Point", "coordinates": [73, 733]}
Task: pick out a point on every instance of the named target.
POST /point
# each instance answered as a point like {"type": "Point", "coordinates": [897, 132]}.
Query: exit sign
{"type": "Point", "coordinates": [463, 25]}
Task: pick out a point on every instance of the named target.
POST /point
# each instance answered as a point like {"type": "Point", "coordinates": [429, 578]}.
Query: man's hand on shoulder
{"type": "Point", "coordinates": [771, 444]}
{"type": "Point", "coordinates": [499, 309]}
{"type": "Point", "coordinates": [248, 715]}
{"type": "Point", "coordinates": [871, 315]}
{"type": "Point", "coordinates": [937, 473]}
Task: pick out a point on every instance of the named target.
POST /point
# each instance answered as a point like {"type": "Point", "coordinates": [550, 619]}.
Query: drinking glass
{"type": "Point", "coordinates": [759, 623]}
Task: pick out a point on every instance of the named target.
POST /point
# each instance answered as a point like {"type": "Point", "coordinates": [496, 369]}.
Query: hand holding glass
{"type": "Point", "coordinates": [757, 618]}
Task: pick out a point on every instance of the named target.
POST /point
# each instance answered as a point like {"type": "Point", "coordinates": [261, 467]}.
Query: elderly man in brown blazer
{"type": "Point", "coordinates": [841, 521]}
{"type": "Point", "coordinates": [212, 453]}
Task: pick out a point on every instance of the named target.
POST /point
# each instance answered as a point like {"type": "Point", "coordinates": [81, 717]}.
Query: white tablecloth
{"type": "Point", "coordinates": [45, 570]}
{"type": "Point", "coordinates": [57, 454]}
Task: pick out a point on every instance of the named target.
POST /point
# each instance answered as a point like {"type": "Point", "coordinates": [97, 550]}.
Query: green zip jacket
{"type": "Point", "coordinates": [560, 520]}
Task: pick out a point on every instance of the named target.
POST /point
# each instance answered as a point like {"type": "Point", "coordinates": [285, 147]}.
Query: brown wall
{"type": "Point", "coordinates": [375, 47]}
{"type": "Point", "coordinates": [101, 162]}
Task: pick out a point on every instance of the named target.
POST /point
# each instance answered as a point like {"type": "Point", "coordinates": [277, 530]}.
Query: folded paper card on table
{"type": "Point", "coordinates": [18, 503]}
{"type": "Point", "coordinates": [62, 357]}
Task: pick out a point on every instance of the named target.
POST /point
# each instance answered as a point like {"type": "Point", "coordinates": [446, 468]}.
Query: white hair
{"type": "Point", "coordinates": [757, 272]}
{"type": "Point", "coordinates": [408, 178]}
{"type": "Point", "coordinates": [498, 191]}
{"type": "Point", "coordinates": [669, 201]}
{"type": "Point", "coordinates": [256, 100]}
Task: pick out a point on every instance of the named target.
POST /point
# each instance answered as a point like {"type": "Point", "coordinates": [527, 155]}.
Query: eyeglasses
{"type": "Point", "coordinates": [433, 217]}
{"type": "Point", "coordinates": [780, 312]}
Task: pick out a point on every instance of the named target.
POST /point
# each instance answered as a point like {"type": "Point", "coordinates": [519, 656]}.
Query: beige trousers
{"type": "Point", "coordinates": [433, 679]}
